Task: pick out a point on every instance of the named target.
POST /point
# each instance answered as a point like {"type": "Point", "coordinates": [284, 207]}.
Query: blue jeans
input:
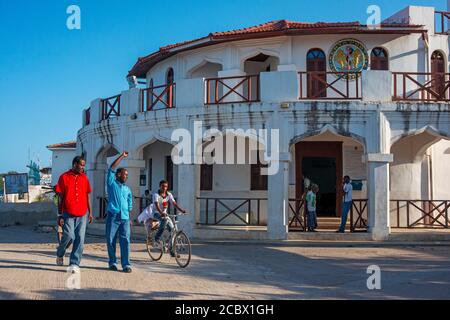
{"type": "Point", "coordinates": [346, 206]}
{"type": "Point", "coordinates": [163, 223]}
{"type": "Point", "coordinates": [115, 226]}
{"type": "Point", "coordinates": [312, 220]}
{"type": "Point", "coordinates": [74, 231]}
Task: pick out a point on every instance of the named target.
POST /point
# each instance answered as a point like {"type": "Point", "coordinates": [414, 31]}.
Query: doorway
{"type": "Point", "coordinates": [321, 163]}
{"type": "Point", "coordinates": [322, 171]}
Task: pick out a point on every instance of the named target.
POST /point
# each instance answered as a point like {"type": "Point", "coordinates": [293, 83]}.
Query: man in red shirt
{"type": "Point", "coordinates": [73, 189]}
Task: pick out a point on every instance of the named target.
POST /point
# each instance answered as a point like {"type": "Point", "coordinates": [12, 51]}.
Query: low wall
{"type": "Point", "coordinates": [26, 214]}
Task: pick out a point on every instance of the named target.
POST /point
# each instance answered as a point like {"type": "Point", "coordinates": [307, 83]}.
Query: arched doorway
{"type": "Point", "coordinates": [438, 74]}
{"type": "Point", "coordinates": [418, 181]}
{"type": "Point", "coordinates": [233, 190]}
{"type": "Point", "coordinates": [316, 66]}
{"type": "Point", "coordinates": [104, 159]}
{"type": "Point", "coordinates": [324, 159]}
{"type": "Point", "coordinates": [253, 66]}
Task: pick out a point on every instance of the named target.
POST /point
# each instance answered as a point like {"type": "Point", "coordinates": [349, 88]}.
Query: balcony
{"type": "Point", "coordinates": [421, 87]}
{"type": "Point", "coordinates": [157, 98]}
{"type": "Point", "coordinates": [330, 85]}
{"type": "Point", "coordinates": [243, 89]}
{"type": "Point", "coordinates": [275, 87]}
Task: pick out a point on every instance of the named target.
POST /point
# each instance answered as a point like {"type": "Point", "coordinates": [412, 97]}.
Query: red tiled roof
{"type": "Point", "coordinates": [269, 29]}
{"type": "Point", "coordinates": [63, 145]}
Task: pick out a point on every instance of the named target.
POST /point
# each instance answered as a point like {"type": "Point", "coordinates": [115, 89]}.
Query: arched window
{"type": "Point", "coordinates": [169, 83]}
{"type": "Point", "coordinates": [379, 59]}
{"type": "Point", "coordinates": [169, 76]}
{"type": "Point", "coordinates": [438, 74]}
{"type": "Point", "coordinates": [316, 62]}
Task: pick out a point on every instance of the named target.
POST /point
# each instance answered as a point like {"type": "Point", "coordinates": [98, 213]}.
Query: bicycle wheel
{"type": "Point", "coordinates": [154, 249]}
{"type": "Point", "coordinates": [182, 249]}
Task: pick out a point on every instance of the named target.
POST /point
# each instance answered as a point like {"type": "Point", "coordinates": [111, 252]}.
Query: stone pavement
{"type": "Point", "coordinates": [225, 271]}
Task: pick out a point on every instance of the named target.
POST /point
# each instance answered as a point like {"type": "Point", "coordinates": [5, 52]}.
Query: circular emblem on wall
{"type": "Point", "coordinates": [348, 55]}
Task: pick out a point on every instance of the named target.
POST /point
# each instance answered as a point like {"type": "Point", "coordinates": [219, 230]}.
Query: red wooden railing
{"type": "Point", "coordinates": [442, 22]}
{"type": "Point", "coordinates": [244, 89]}
{"type": "Point", "coordinates": [421, 213]}
{"type": "Point", "coordinates": [111, 107]}
{"type": "Point", "coordinates": [359, 216]}
{"type": "Point", "coordinates": [421, 86]}
{"type": "Point", "coordinates": [87, 117]}
{"type": "Point", "coordinates": [297, 215]}
{"type": "Point", "coordinates": [158, 97]}
{"type": "Point", "coordinates": [341, 86]}
{"type": "Point", "coordinates": [238, 208]}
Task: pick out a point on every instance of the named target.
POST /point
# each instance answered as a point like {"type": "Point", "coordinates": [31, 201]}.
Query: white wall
{"type": "Point", "coordinates": [158, 152]}
{"type": "Point", "coordinates": [61, 162]}
{"type": "Point", "coordinates": [440, 153]}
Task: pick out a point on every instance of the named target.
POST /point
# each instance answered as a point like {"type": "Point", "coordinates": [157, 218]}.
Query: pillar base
{"type": "Point", "coordinates": [277, 234]}
{"type": "Point", "coordinates": [380, 234]}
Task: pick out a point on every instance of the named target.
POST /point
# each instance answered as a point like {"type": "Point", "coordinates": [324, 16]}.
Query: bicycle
{"type": "Point", "coordinates": [181, 244]}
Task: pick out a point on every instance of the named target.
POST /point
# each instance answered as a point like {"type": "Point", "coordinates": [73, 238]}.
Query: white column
{"type": "Point", "coordinates": [278, 202]}
{"type": "Point", "coordinates": [378, 194]}
{"type": "Point", "coordinates": [188, 193]}
{"type": "Point", "coordinates": [134, 171]}
{"type": "Point", "coordinates": [96, 174]}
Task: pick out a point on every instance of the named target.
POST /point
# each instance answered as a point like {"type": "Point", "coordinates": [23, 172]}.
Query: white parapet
{"type": "Point", "coordinates": [96, 110]}
{"type": "Point", "coordinates": [279, 86]}
{"type": "Point", "coordinates": [377, 86]}
{"type": "Point", "coordinates": [190, 93]}
{"type": "Point", "coordinates": [130, 102]}
{"type": "Point", "coordinates": [83, 117]}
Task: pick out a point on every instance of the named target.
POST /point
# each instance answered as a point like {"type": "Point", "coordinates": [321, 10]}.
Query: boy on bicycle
{"type": "Point", "coordinates": [158, 210]}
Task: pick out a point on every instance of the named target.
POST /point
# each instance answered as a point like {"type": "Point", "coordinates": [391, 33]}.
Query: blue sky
{"type": "Point", "coordinates": [48, 73]}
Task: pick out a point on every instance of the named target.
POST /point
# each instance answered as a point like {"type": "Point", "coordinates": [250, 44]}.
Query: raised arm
{"type": "Point", "coordinates": [116, 162]}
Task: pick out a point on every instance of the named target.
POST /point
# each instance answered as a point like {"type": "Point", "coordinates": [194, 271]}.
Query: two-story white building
{"type": "Point", "coordinates": [370, 102]}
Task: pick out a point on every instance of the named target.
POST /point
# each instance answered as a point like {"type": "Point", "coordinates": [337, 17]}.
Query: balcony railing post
{"type": "Point", "coordinates": [170, 91]}
{"type": "Point", "coordinates": [208, 91]}
{"type": "Point", "coordinates": [216, 98]}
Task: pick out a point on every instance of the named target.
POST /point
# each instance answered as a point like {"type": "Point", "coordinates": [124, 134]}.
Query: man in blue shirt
{"type": "Point", "coordinates": [118, 221]}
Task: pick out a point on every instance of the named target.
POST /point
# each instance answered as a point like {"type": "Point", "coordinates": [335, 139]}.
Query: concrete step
{"type": "Point", "coordinates": [224, 233]}
{"type": "Point", "coordinates": [420, 236]}
{"type": "Point", "coordinates": [329, 236]}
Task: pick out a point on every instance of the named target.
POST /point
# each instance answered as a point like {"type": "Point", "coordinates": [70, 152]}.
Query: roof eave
{"type": "Point", "coordinates": [142, 66]}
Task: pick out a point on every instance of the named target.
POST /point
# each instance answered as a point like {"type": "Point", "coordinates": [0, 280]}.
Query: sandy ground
{"type": "Point", "coordinates": [225, 271]}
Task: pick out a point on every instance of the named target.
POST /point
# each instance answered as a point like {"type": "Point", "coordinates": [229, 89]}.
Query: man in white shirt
{"type": "Point", "coordinates": [347, 204]}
